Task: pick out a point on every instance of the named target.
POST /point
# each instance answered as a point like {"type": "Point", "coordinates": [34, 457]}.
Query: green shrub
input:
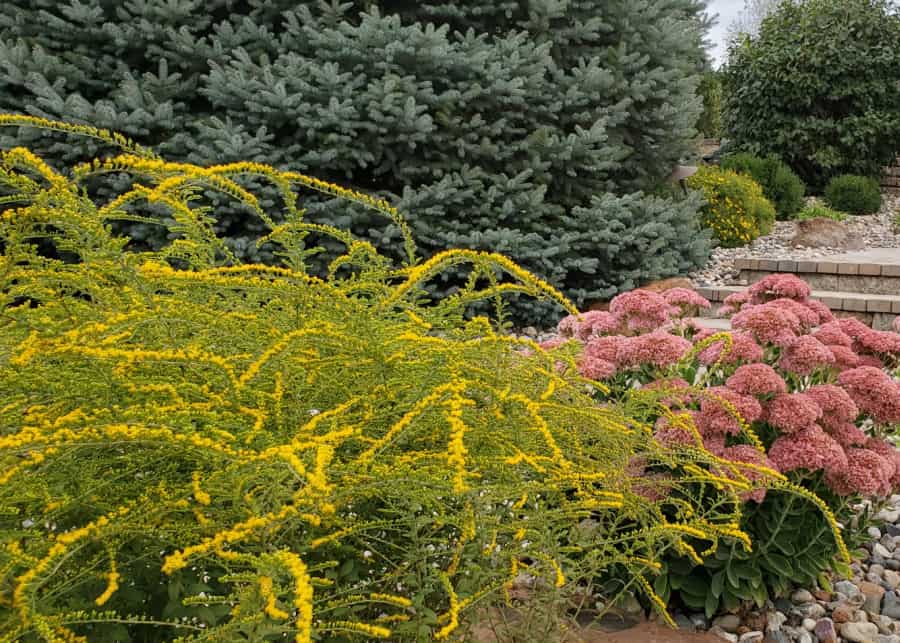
{"type": "Point", "coordinates": [710, 90]}
{"type": "Point", "coordinates": [736, 210]}
{"type": "Point", "coordinates": [853, 194]}
{"type": "Point", "coordinates": [204, 448]}
{"type": "Point", "coordinates": [779, 183]}
{"type": "Point", "coordinates": [819, 87]}
{"type": "Point", "coordinates": [489, 123]}
{"type": "Point", "coordinates": [820, 211]}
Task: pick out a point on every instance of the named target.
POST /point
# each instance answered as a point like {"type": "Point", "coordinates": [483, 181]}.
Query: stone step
{"type": "Point", "coordinates": [877, 310]}
{"type": "Point", "coordinates": [714, 323]}
{"type": "Point", "coordinates": [875, 271]}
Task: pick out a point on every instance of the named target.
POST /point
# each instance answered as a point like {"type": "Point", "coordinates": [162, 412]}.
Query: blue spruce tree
{"type": "Point", "coordinates": [534, 128]}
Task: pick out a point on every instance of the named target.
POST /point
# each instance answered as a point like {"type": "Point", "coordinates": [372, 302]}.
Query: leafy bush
{"type": "Point", "coordinates": [779, 183]}
{"type": "Point", "coordinates": [231, 451]}
{"type": "Point", "coordinates": [854, 194]}
{"type": "Point", "coordinates": [736, 211]}
{"type": "Point", "coordinates": [789, 388]}
{"type": "Point", "coordinates": [710, 90]}
{"type": "Point", "coordinates": [819, 87]}
{"type": "Point", "coordinates": [490, 124]}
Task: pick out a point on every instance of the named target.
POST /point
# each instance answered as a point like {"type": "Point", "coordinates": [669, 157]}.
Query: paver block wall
{"type": "Point", "coordinates": [891, 178]}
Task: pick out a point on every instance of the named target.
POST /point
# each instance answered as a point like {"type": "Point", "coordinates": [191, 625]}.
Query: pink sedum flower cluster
{"type": "Point", "coordinates": [880, 342]}
{"type": "Point", "coordinates": [748, 454]}
{"type": "Point", "coordinates": [768, 324]}
{"type": "Point", "coordinates": [756, 379]}
{"type": "Point", "coordinates": [675, 434]}
{"type": "Point", "coordinates": [844, 358]}
{"type": "Point", "coordinates": [804, 355]}
{"type": "Point", "coordinates": [838, 408]}
{"type": "Point", "coordinates": [717, 418]}
{"type": "Point", "coordinates": [866, 472]}
{"type": "Point", "coordinates": [778, 286]}
{"type": "Point", "coordinates": [793, 413]}
{"type": "Point", "coordinates": [633, 312]}
{"type": "Point", "coordinates": [814, 387]}
{"type": "Point", "coordinates": [803, 311]}
{"type": "Point", "coordinates": [743, 349]}
{"type": "Point", "coordinates": [831, 334]}
{"type": "Point", "coordinates": [593, 323]}
{"type": "Point", "coordinates": [641, 310]}
{"type": "Point", "coordinates": [874, 392]}
{"type": "Point", "coordinates": [658, 348]}
{"type": "Point", "coordinates": [811, 449]}
{"type": "Point", "coordinates": [685, 299]}
{"type": "Point", "coordinates": [848, 435]}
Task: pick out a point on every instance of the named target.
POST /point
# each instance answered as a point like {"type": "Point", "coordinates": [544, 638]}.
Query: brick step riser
{"type": "Point", "coordinates": [863, 284]}
{"type": "Point", "coordinates": [878, 311]}
{"type": "Point", "coordinates": [878, 321]}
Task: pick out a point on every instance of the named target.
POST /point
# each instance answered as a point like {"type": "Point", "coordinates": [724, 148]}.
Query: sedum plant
{"type": "Point", "coordinates": [196, 449]}
{"type": "Point", "coordinates": [817, 399]}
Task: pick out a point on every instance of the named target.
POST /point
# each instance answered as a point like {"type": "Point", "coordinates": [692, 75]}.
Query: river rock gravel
{"type": "Point", "coordinates": [861, 609]}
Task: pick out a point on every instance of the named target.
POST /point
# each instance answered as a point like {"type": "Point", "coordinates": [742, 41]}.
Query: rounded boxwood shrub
{"type": "Point", "coordinates": [853, 194]}
{"type": "Point", "coordinates": [736, 209]}
{"type": "Point", "coordinates": [780, 184]}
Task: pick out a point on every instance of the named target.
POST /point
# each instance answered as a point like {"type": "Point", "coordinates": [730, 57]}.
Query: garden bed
{"type": "Point", "coordinates": [199, 446]}
{"type": "Point", "coordinates": [871, 231]}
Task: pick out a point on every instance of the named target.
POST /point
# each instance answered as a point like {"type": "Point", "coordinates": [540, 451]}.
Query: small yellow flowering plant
{"type": "Point", "coordinates": [198, 448]}
{"type": "Point", "coordinates": [736, 210]}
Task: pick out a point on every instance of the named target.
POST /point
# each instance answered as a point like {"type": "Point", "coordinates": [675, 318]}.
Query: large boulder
{"type": "Point", "coordinates": [825, 233]}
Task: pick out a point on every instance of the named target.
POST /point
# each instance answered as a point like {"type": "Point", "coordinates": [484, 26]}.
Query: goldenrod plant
{"type": "Point", "coordinates": [192, 448]}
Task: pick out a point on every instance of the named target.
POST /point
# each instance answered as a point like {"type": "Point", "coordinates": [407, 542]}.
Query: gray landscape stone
{"type": "Point", "coordinates": [859, 632]}
{"type": "Point", "coordinates": [722, 634]}
{"type": "Point", "coordinates": [802, 596]}
{"type": "Point", "coordinates": [728, 622]}
{"type": "Point", "coordinates": [890, 606]}
{"type": "Point", "coordinates": [825, 233]}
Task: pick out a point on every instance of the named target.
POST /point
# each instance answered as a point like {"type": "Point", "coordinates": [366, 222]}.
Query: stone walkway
{"type": "Point", "coordinates": [886, 256]}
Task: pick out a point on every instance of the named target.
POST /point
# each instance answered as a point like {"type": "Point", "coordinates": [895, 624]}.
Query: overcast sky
{"type": "Point", "coordinates": [728, 11]}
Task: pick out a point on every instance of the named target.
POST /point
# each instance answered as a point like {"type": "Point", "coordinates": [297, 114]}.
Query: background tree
{"type": "Point", "coordinates": [750, 19]}
{"type": "Point", "coordinates": [710, 122]}
{"type": "Point", "coordinates": [533, 129]}
{"type": "Point", "coordinates": [820, 87]}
